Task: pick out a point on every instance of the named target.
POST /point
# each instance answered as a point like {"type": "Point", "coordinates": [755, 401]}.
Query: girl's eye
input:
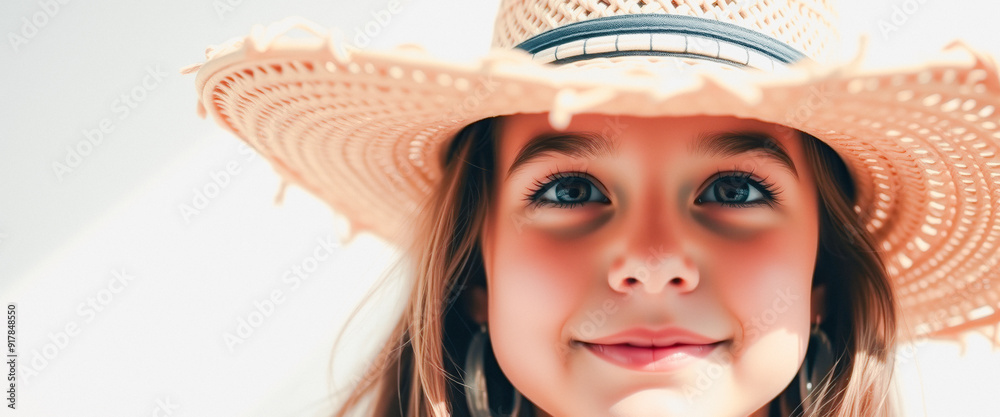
{"type": "Point", "coordinates": [565, 191]}
{"type": "Point", "coordinates": [737, 189]}
{"type": "Point", "coordinates": [730, 189]}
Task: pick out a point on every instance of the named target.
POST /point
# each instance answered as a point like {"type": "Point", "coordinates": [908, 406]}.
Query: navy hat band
{"type": "Point", "coordinates": [660, 34]}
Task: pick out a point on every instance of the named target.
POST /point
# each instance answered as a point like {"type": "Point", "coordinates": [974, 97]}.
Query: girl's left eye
{"type": "Point", "coordinates": [738, 189]}
{"type": "Point", "coordinates": [565, 191]}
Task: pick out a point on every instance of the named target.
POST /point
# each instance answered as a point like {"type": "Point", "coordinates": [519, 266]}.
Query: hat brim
{"type": "Point", "coordinates": [363, 131]}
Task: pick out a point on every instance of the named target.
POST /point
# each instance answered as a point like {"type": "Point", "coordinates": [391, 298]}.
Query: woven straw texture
{"type": "Point", "coordinates": [363, 130]}
{"type": "Point", "coordinates": [519, 20]}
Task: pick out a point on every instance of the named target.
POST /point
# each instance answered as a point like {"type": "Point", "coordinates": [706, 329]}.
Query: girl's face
{"type": "Point", "coordinates": [650, 266]}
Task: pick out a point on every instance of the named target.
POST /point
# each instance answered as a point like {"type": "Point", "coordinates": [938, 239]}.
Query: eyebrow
{"type": "Point", "coordinates": [737, 143]}
{"type": "Point", "coordinates": [573, 144]}
{"type": "Point", "coordinates": [593, 145]}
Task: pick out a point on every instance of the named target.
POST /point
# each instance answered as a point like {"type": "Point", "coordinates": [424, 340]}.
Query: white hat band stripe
{"type": "Point", "coordinates": [657, 44]}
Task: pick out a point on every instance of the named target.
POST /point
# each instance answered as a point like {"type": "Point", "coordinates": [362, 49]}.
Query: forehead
{"type": "Point", "coordinates": [526, 137]}
{"type": "Point", "coordinates": [517, 129]}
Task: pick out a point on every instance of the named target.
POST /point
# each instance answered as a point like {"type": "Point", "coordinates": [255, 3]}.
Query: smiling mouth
{"type": "Point", "coordinates": [651, 358]}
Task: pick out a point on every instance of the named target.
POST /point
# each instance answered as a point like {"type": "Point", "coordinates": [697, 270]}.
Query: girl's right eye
{"type": "Point", "coordinates": [565, 191]}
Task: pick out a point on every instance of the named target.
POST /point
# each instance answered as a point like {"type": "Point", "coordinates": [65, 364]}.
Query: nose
{"type": "Point", "coordinates": [652, 271]}
{"type": "Point", "coordinates": [655, 256]}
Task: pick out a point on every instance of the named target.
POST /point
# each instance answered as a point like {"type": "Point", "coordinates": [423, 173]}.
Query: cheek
{"type": "Point", "coordinates": [535, 286]}
{"type": "Point", "coordinates": [767, 288]}
{"type": "Point", "coordinates": [536, 283]}
{"type": "Point", "coordinates": [753, 272]}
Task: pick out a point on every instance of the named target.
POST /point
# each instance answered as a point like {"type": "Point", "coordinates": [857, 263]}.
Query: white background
{"type": "Point", "coordinates": [156, 344]}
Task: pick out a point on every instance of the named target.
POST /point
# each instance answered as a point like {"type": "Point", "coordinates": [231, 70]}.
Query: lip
{"type": "Point", "coordinates": [643, 349]}
{"type": "Point", "coordinates": [645, 337]}
{"type": "Point", "coordinates": [651, 359]}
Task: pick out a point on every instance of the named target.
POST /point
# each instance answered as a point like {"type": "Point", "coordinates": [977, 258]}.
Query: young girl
{"type": "Point", "coordinates": [663, 246]}
{"type": "Point", "coordinates": [644, 209]}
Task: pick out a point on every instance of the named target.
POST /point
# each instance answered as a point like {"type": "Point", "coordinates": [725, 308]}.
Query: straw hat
{"type": "Point", "coordinates": [364, 130]}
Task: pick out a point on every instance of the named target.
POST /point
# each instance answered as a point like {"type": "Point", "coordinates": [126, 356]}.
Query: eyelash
{"type": "Point", "coordinates": [768, 190]}
{"type": "Point", "coordinates": [539, 188]}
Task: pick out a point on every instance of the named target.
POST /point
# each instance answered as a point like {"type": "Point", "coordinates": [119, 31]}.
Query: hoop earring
{"type": "Point", "coordinates": [475, 378]}
{"type": "Point", "coordinates": [818, 362]}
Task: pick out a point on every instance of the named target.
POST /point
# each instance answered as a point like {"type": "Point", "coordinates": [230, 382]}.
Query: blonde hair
{"type": "Point", "coordinates": [418, 371]}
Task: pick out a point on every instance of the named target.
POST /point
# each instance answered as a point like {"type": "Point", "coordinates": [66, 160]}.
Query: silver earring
{"type": "Point", "coordinates": [475, 378]}
{"type": "Point", "coordinates": [818, 362]}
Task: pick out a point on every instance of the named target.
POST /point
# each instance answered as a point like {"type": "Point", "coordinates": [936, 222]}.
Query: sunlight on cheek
{"type": "Point", "coordinates": [769, 362]}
